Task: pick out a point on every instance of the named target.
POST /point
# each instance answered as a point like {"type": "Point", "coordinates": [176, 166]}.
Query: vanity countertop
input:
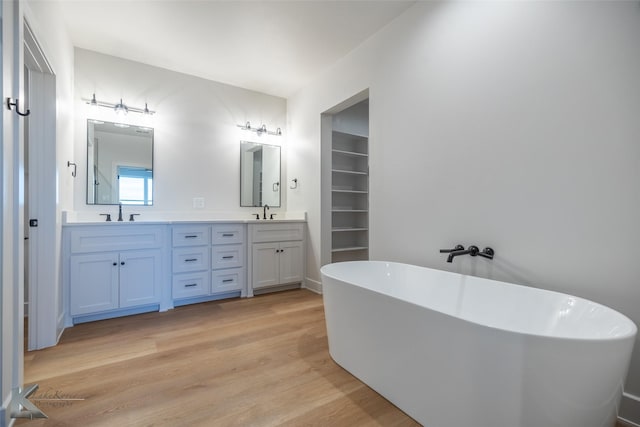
{"type": "Point", "coordinates": [71, 219]}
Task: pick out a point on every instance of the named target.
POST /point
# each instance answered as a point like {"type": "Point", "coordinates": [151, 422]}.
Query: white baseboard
{"type": "Point", "coordinates": [60, 327]}
{"type": "Point", "coordinates": [313, 285]}
{"type": "Point", "coordinates": [629, 411]}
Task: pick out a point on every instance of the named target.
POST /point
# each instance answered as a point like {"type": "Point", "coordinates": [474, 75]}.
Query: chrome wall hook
{"type": "Point", "coordinates": [294, 183]}
{"type": "Point", "coordinates": [17, 105]}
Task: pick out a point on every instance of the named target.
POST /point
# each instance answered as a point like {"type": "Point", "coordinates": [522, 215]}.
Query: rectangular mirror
{"type": "Point", "coordinates": [259, 174]}
{"type": "Point", "coordinates": [119, 164]}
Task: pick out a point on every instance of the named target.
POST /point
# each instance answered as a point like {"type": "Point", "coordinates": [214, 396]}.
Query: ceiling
{"type": "Point", "coordinates": [270, 46]}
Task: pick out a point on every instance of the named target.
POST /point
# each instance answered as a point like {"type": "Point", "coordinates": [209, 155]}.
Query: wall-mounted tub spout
{"type": "Point", "coordinates": [457, 248]}
{"type": "Point", "coordinates": [472, 250]}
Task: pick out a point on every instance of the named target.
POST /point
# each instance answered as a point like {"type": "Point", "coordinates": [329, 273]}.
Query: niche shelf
{"type": "Point", "coordinates": [349, 196]}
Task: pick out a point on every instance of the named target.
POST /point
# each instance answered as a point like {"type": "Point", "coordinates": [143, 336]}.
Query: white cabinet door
{"type": "Point", "coordinates": [140, 277]}
{"type": "Point", "coordinates": [94, 283]}
{"type": "Point", "coordinates": [290, 262]}
{"type": "Point", "coordinates": [265, 265]}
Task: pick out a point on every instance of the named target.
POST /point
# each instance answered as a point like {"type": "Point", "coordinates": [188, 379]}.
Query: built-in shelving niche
{"type": "Point", "coordinates": [349, 182]}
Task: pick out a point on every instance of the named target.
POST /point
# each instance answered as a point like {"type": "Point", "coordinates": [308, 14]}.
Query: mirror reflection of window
{"type": "Point", "coordinates": [135, 186]}
{"type": "Point", "coordinates": [259, 174]}
{"type": "Point", "coordinates": [119, 164]}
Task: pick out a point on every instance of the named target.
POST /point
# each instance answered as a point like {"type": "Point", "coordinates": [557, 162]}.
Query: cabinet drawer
{"type": "Point", "coordinates": [115, 238]}
{"type": "Point", "coordinates": [190, 235]}
{"type": "Point", "coordinates": [227, 233]}
{"type": "Point", "coordinates": [278, 232]}
{"type": "Point", "coordinates": [190, 285]}
{"type": "Point", "coordinates": [190, 259]}
{"type": "Point", "coordinates": [227, 280]}
{"type": "Point", "coordinates": [227, 256]}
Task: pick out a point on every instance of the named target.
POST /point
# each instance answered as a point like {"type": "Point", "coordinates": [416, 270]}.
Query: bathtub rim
{"type": "Point", "coordinates": [630, 335]}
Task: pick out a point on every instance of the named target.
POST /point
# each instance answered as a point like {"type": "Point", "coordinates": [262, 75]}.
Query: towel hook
{"type": "Point", "coordinates": [73, 172]}
{"type": "Point", "coordinates": [295, 183]}
{"type": "Point", "coordinates": [17, 105]}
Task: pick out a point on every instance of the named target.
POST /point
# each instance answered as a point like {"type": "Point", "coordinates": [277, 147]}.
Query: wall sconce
{"type": "Point", "coordinates": [262, 129]}
{"type": "Point", "coordinates": [119, 108]}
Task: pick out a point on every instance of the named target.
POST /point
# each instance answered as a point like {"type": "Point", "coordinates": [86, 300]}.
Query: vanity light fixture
{"type": "Point", "coordinates": [262, 129]}
{"type": "Point", "coordinates": [120, 107]}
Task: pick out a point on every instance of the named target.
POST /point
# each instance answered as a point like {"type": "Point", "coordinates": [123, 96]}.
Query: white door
{"type": "Point", "coordinates": [266, 265]}
{"type": "Point", "coordinates": [41, 198]}
{"type": "Point", "coordinates": [290, 262]}
{"type": "Point", "coordinates": [139, 278]}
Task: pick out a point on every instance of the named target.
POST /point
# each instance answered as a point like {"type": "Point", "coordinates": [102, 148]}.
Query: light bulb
{"type": "Point", "coordinates": [121, 108]}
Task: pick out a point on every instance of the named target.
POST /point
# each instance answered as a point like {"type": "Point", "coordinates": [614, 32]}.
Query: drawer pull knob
{"type": "Point", "coordinates": [190, 259]}
{"type": "Point", "coordinates": [227, 235]}
{"type": "Point", "coordinates": [227, 257]}
{"type": "Point", "coordinates": [122, 263]}
{"type": "Point", "coordinates": [227, 281]}
{"type": "Point", "coordinates": [190, 236]}
{"type": "Point", "coordinates": [190, 285]}
{"type": "Point", "coordinates": [115, 263]}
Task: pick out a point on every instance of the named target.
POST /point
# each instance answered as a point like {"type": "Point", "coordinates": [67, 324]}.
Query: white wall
{"type": "Point", "coordinates": [513, 125]}
{"type": "Point", "coordinates": [196, 140]}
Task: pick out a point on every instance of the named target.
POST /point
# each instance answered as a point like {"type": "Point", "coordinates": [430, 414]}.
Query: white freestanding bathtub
{"type": "Point", "coordinates": [461, 351]}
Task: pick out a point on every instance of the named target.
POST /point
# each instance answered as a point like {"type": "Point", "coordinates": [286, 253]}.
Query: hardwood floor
{"type": "Point", "coordinates": [261, 361]}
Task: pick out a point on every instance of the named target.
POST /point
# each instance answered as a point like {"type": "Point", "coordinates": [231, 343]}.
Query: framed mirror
{"type": "Point", "coordinates": [119, 164]}
{"type": "Point", "coordinates": [259, 174]}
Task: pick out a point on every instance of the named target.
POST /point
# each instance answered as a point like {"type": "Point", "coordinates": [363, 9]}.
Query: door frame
{"type": "Point", "coordinates": [40, 142]}
{"type": "Point", "coordinates": [326, 135]}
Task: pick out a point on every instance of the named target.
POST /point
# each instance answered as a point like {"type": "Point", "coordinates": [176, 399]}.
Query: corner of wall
{"type": "Point", "coordinates": [312, 285]}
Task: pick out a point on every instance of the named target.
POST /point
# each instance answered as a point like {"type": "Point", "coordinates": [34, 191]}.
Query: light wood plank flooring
{"type": "Point", "coordinates": [261, 361]}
